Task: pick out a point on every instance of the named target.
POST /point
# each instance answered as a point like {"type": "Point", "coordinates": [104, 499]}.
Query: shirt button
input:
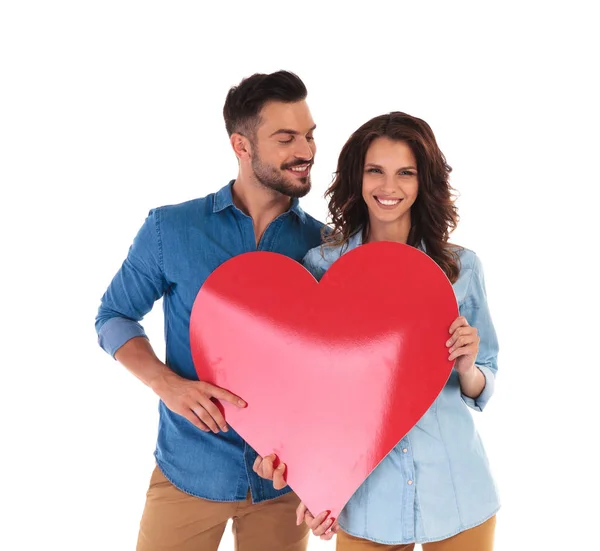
{"type": "Point", "coordinates": [410, 482]}
{"type": "Point", "coordinates": [405, 450]}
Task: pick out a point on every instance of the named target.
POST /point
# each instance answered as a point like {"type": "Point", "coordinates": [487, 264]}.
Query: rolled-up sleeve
{"type": "Point", "coordinates": [138, 284]}
{"type": "Point", "coordinates": [478, 315]}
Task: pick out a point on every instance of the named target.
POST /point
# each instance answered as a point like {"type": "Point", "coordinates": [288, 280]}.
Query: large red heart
{"type": "Point", "coordinates": [334, 373]}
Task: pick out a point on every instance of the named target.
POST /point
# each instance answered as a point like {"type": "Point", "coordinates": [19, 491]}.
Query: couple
{"type": "Point", "coordinates": [391, 184]}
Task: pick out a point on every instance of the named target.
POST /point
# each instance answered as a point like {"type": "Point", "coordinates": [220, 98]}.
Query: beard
{"type": "Point", "coordinates": [275, 178]}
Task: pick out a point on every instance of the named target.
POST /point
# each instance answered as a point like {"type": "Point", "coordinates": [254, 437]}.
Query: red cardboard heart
{"type": "Point", "coordinates": [334, 373]}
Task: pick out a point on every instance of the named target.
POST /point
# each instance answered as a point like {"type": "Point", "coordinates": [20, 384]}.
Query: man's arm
{"type": "Point", "coordinates": [138, 284]}
{"type": "Point", "coordinates": [190, 399]}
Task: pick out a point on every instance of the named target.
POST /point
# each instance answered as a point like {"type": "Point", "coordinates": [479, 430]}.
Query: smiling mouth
{"type": "Point", "coordinates": [301, 171]}
{"type": "Point", "coordinates": [388, 202]}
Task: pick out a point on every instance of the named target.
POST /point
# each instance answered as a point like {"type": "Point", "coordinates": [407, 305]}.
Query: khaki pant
{"type": "Point", "coordinates": [176, 521]}
{"type": "Point", "coordinates": [479, 538]}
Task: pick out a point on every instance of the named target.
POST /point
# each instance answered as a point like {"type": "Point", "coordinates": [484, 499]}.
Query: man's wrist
{"type": "Point", "coordinates": [161, 378]}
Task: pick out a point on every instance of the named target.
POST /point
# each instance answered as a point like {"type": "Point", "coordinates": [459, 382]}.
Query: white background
{"type": "Point", "coordinates": [108, 109]}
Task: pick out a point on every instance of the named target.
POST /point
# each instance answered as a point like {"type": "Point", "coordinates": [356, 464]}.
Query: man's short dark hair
{"type": "Point", "coordinates": [245, 101]}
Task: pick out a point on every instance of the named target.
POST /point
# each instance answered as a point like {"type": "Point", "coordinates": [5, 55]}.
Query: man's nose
{"type": "Point", "coordinates": [304, 150]}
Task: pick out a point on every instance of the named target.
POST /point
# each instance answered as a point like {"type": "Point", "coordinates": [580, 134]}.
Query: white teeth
{"type": "Point", "coordinates": [299, 168]}
{"type": "Point", "coordinates": [388, 202]}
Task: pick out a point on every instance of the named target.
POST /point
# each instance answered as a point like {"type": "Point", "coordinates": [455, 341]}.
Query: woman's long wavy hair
{"type": "Point", "coordinates": [433, 215]}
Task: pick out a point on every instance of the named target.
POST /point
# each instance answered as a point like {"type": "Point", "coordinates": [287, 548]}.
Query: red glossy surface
{"type": "Point", "coordinates": [334, 373]}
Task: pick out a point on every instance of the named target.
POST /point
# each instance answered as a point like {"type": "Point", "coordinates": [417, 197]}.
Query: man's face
{"type": "Point", "coordinates": [283, 150]}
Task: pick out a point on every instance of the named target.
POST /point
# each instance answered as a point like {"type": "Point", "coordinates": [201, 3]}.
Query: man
{"type": "Point", "coordinates": [204, 474]}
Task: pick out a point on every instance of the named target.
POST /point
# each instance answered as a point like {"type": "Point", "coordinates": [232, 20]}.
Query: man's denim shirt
{"type": "Point", "coordinates": [437, 481]}
{"type": "Point", "coordinates": [176, 249]}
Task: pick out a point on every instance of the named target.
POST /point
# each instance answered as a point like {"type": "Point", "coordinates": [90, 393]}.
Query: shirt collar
{"type": "Point", "coordinates": [224, 199]}
{"type": "Point", "coordinates": [356, 240]}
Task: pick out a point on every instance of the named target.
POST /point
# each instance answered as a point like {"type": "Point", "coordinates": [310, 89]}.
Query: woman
{"type": "Point", "coordinates": [435, 487]}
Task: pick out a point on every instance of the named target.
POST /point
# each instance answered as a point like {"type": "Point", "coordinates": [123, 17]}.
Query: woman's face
{"type": "Point", "coordinates": [390, 182]}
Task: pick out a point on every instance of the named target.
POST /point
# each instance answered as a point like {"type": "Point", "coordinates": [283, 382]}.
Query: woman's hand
{"type": "Point", "coordinates": [320, 525]}
{"type": "Point", "coordinates": [463, 345]}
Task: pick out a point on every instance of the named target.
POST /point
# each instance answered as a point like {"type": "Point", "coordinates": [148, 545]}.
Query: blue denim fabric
{"type": "Point", "coordinates": [176, 249]}
{"type": "Point", "coordinates": [437, 481]}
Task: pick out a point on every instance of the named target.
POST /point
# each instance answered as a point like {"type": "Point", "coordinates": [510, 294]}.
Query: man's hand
{"type": "Point", "coordinates": [265, 468]}
{"type": "Point", "coordinates": [320, 525]}
{"type": "Point", "coordinates": [194, 400]}
{"type": "Point", "coordinates": [191, 399]}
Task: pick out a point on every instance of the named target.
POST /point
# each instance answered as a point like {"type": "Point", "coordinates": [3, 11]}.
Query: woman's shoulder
{"type": "Point", "coordinates": [470, 286]}
{"type": "Point", "coordinates": [319, 259]}
{"type": "Point", "coordinates": [322, 256]}
{"type": "Point", "coordinates": [468, 259]}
